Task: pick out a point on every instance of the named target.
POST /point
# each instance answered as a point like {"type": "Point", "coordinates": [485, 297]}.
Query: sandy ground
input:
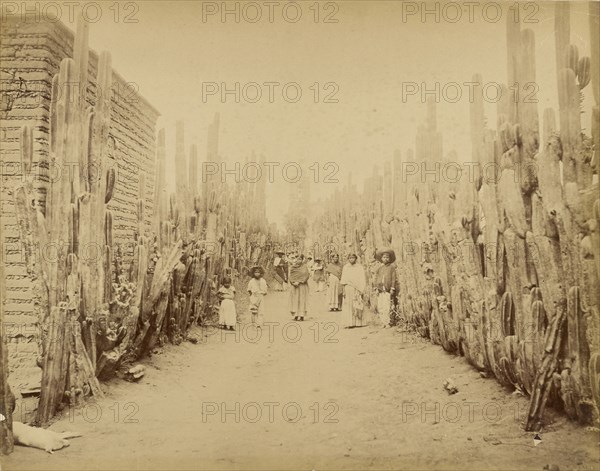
{"type": "Point", "coordinates": [309, 396]}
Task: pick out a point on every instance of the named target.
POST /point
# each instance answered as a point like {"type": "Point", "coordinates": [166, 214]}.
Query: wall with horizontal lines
{"type": "Point", "coordinates": [30, 55]}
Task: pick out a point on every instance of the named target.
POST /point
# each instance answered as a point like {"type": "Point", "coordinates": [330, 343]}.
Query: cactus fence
{"type": "Point", "coordinates": [98, 316]}
{"type": "Point", "coordinates": [503, 270]}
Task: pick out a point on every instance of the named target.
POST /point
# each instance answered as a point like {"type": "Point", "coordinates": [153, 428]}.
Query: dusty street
{"type": "Point", "coordinates": [309, 396]}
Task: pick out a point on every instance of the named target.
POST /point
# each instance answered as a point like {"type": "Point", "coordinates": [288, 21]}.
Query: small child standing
{"type": "Point", "coordinates": [227, 314]}
{"type": "Point", "coordinates": [319, 274]}
{"type": "Point", "coordinates": [257, 289]}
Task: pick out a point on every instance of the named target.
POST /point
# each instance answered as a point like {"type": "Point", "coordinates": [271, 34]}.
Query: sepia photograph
{"type": "Point", "coordinates": [299, 235]}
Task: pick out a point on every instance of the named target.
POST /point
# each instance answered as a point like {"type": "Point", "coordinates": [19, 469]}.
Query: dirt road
{"type": "Point", "coordinates": [309, 396]}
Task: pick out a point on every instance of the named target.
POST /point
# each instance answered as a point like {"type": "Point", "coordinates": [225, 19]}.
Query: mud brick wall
{"type": "Point", "coordinates": [30, 55]}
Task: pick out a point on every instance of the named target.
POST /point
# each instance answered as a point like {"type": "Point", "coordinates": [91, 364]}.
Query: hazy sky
{"type": "Point", "coordinates": [368, 55]}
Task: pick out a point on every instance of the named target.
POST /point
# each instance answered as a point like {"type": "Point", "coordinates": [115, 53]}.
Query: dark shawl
{"type": "Point", "coordinates": [299, 274]}
{"type": "Point", "coordinates": [335, 269]}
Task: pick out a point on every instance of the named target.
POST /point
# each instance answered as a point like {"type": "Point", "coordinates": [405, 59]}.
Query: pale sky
{"type": "Point", "coordinates": [368, 54]}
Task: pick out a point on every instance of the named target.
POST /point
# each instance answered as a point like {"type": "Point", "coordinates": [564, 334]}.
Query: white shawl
{"type": "Point", "coordinates": [354, 275]}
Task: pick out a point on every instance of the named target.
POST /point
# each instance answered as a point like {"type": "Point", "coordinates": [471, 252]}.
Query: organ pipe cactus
{"type": "Point", "coordinates": [71, 217]}
{"type": "Point", "coordinates": [100, 181]}
{"type": "Point", "coordinates": [532, 217]}
{"type": "Point", "coordinates": [85, 287]}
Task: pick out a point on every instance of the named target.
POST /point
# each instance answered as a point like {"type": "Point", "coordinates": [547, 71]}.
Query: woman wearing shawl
{"type": "Point", "coordinates": [386, 285]}
{"type": "Point", "coordinates": [280, 268]}
{"type": "Point", "coordinates": [298, 279]}
{"type": "Point", "coordinates": [334, 292]}
{"type": "Point", "coordinates": [353, 282]}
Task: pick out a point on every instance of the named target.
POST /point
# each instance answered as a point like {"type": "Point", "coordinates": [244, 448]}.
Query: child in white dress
{"type": "Point", "coordinates": [227, 313]}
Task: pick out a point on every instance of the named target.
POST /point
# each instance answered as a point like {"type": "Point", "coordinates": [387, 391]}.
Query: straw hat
{"type": "Point", "coordinates": [257, 268]}
{"type": "Point", "coordinates": [388, 251]}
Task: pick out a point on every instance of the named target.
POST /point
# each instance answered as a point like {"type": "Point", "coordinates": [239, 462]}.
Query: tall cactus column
{"type": "Point", "coordinates": [116, 333]}
{"type": "Point", "coordinates": [65, 143]}
{"type": "Point", "coordinates": [573, 76]}
{"type": "Point", "coordinates": [560, 219]}
{"type": "Point", "coordinates": [95, 221]}
{"type": "Point", "coordinates": [194, 197]}
{"type": "Point", "coordinates": [161, 197]}
{"type": "Point", "coordinates": [592, 254]}
{"type": "Point", "coordinates": [182, 180]}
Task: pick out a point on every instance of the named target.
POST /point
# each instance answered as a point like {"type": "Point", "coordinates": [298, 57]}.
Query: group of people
{"type": "Point", "coordinates": [346, 288]}
{"type": "Point", "coordinates": [316, 269]}
{"type": "Point", "coordinates": [347, 285]}
{"type": "Point", "coordinates": [298, 272]}
{"type": "Point", "coordinates": [257, 290]}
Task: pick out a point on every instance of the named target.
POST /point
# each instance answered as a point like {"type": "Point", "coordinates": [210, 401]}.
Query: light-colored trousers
{"type": "Point", "coordinates": [384, 307]}
{"type": "Point", "coordinates": [257, 308]}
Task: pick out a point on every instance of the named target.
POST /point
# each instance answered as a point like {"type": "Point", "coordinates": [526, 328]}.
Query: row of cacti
{"type": "Point", "coordinates": [201, 238]}
{"type": "Point", "coordinates": [95, 316]}
{"type": "Point", "coordinates": [523, 304]}
{"type": "Point", "coordinates": [90, 308]}
{"type": "Point", "coordinates": [74, 218]}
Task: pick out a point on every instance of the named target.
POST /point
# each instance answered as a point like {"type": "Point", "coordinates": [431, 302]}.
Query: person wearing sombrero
{"type": "Point", "coordinates": [385, 283]}
{"type": "Point", "coordinates": [298, 278]}
{"type": "Point", "coordinates": [257, 289]}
